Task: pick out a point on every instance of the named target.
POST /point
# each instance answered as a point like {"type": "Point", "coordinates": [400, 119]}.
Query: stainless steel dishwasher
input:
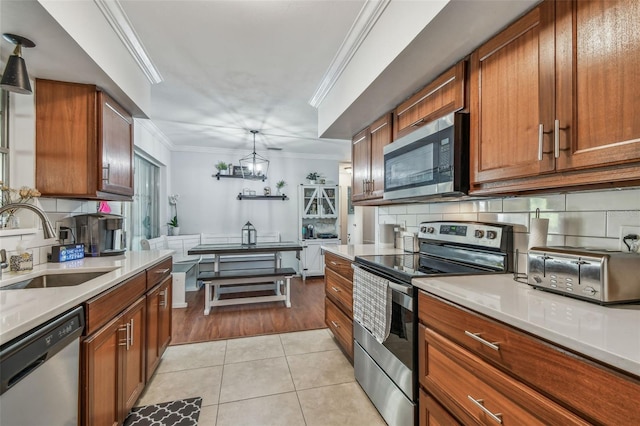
{"type": "Point", "coordinates": [39, 374]}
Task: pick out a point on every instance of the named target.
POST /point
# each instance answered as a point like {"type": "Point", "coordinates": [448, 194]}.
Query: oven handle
{"type": "Point", "coordinates": [393, 282]}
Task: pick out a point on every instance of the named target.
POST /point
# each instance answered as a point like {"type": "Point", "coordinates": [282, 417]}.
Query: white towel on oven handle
{"type": "Point", "coordinates": [372, 303]}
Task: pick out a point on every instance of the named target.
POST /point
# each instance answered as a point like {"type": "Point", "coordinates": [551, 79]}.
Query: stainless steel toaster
{"type": "Point", "coordinates": [599, 276]}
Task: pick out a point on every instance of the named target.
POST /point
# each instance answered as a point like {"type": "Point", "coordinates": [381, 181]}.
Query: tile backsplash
{"type": "Point", "coordinates": [56, 209]}
{"type": "Point", "coordinates": [589, 218]}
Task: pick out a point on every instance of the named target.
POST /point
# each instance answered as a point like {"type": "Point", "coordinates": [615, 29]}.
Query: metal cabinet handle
{"type": "Point", "coordinates": [417, 123]}
{"type": "Point", "coordinates": [476, 336]}
{"type": "Point", "coordinates": [540, 140]}
{"type": "Point", "coordinates": [337, 290]}
{"type": "Point", "coordinates": [162, 271]}
{"type": "Point", "coordinates": [131, 331]}
{"type": "Point", "coordinates": [124, 342]}
{"type": "Point", "coordinates": [335, 324]}
{"type": "Point", "coordinates": [333, 263]}
{"type": "Point", "coordinates": [480, 404]}
{"type": "Point", "coordinates": [556, 138]}
{"type": "Point", "coordinates": [163, 302]}
{"type": "Point", "coordinates": [106, 172]}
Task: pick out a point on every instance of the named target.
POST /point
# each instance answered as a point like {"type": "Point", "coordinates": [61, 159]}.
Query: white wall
{"type": "Point", "coordinates": [588, 218]}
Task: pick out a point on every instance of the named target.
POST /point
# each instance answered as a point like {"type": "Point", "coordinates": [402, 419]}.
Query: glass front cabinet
{"type": "Point", "coordinates": [319, 201]}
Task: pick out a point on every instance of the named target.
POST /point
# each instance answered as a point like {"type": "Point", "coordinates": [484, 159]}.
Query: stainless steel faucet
{"type": "Point", "coordinates": [47, 229]}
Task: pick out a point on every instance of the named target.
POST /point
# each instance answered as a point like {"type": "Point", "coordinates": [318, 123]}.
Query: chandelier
{"type": "Point", "coordinates": [254, 166]}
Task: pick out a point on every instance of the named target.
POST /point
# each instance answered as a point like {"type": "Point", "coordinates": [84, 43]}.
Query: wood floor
{"type": "Point", "coordinates": [190, 325]}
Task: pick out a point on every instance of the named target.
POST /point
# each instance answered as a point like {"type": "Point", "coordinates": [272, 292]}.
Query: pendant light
{"type": "Point", "coordinates": [254, 166]}
{"type": "Point", "coordinates": [15, 77]}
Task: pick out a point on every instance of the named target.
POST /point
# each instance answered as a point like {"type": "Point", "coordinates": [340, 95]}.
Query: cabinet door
{"type": "Point", "coordinates": [360, 164]}
{"type": "Point", "coordinates": [512, 100]}
{"type": "Point", "coordinates": [309, 199]}
{"type": "Point", "coordinates": [101, 366]}
{"type": "Point", "coordinates": [116, 148]}
{"type": "Point", "coordinates": [313, 261]}
{"type": "Point", "coordinates": [380, 137]}
{"type": "Point", "coordinates": [153, 335]}
{"type": "Point", "coordinates": [329, 201]}
{"type": "Point", "coordinates": [133, 355]}
{"type": "Point", "coordinates": [164, 315]}
{"type": "Point", "coordinates": [65, 138]}
{"type": "Point", "coordinates": [598, 94]}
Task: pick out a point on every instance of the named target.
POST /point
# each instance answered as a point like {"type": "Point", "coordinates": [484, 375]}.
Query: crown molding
{"type": "Point", "coordinates": [117, 19]}
{"type": "Point", "coordinates": [366, 19]}
{"type": "Point", "coordinates": [155, 131]}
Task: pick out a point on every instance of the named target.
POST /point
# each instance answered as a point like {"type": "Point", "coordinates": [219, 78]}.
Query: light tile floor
{"type": "Point", "coordinates": [290, 379]}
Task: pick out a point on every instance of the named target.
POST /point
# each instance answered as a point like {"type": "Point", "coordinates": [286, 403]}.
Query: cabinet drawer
{"type": "Point", "coordinates": [568, 378]}
{"type": "Point", "coordinates": [339, 265]}
{"type": "Point", "coordinates": [106, 305]}
{"type": "Point", "coordinates": [340, 325]}
{"type": "Point", "coordinates": [433, 414]}
{"type": "Point", "coordinates": [340, 290]}
{"type": "Point", "coordinates": [159, 272]}
{"type": "Point", "coordinates": [481, 393]}
{"type": "Point", "coordinates": [444, 95]}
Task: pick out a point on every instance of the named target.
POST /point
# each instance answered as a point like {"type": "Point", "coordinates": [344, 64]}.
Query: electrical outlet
{"type": "Point", "coordinates": [626, 230]}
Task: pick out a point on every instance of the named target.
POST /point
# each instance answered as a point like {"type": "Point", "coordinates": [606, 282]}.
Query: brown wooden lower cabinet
{"type": "Point", "coordinates": [523, 378]}
{"type": "Point", "coordinates": [340, 325]}
{"type": "Point", "coordinates": [128, 330]}
{"type": "Point", "coordinates": [433, 414]}
{"type": "Point", "coordinates": [159, 323]}
{"type": "Point", "coordinates": [338, 303]}
{"type": "Point", "coordinates": [114, 367]}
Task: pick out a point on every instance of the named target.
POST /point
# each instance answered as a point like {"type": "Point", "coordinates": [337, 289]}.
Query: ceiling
{"type": "Point", "coordinates": [228, 67]}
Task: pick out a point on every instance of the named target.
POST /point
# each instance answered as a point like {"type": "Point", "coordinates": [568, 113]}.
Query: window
{"type": "Point", "coordinates": [4, 137]}
{"type": "Point", "coordinates": [143, 212]}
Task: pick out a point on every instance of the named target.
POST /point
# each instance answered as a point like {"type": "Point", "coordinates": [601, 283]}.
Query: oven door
{"type": "Point", "coordinates": [396, 353]}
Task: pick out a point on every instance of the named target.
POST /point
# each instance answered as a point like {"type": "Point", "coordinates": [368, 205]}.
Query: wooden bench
{"type": "Point", "coordinates": [241, 277]}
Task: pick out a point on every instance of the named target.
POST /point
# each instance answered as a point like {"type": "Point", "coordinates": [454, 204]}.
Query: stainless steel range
{"type": "Point", "coordinates": [385, 357]}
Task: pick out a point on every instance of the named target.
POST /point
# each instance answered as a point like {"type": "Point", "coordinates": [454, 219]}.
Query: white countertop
{"type": "Point", "coordinates": [350, 251]}
{"type": "Point", "coordinates": [610, 334]}
{"type": "Point", "coordinates": [22, 310]}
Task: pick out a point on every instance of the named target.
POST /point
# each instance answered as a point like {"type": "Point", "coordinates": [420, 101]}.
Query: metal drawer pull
{"type": "Point", "coordinates": [125, 342]}
{"type": "Point", "coordinates": [480, 404]}
{"type": "Point", "coordinates": [540, 136]}
{"type": "Point", "coordinates": [162, 271]}
{"type": "Point", "coordinates": [476, 336]}
{"type": "Point", "coordinates": [335, 324]}
{"type": "Point", "coordinates": [131, 337]}
{"type": "Point", "coordinates": [333, 263]}
{"type": "Point", "coordinates": [337, 290]}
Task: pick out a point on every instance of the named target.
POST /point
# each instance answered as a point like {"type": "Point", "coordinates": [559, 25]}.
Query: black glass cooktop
{"type": "Point", "coordinates": [413, 265]}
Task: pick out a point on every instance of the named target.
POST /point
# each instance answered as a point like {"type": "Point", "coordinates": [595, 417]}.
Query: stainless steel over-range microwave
{"type": "Point", "coordinates": [432, 161]}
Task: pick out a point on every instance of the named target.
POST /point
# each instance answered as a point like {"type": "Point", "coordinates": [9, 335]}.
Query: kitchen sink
{"type": "Point", "coordinates": [55, 280]}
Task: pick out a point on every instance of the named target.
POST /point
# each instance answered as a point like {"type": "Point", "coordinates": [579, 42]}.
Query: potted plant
{"type": "Point", "coordinates": [174, 227]}
{"type": "Point", "coordinates": [279, 185]}
{"type": "Point", "coordinates": [222, 167]}
{"type": "Point", "coordinates": [313, 177]}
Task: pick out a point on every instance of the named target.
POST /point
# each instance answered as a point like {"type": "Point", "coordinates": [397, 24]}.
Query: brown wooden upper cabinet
{"type": "Point", "coordinates": [368, 161]}
{"type": "Point", "coordinates": [84, 143]}
{"type": "Point", "coordinates": [555, 98]}
{"type": "Point", "coordinates": [442, 96]}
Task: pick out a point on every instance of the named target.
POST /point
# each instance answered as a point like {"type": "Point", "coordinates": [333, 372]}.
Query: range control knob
{"type": "Point", "coordinates": [589, 291]}
{"type": "Point", "coordinates": [479, 233]}
{"type": "Point", "coordinates": [431, 230]}
{"type": "Point", "coordinates": [492, 235]}
{"type": "Point", "coordinates": [423, 229]}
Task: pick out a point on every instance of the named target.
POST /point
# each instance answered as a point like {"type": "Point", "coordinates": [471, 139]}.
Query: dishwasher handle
{"type": "Point", "coordinates": [26, 353]}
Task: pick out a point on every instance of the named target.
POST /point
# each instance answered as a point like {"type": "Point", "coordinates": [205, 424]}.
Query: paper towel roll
{"type": "Point", "coordinates": [538, 232]}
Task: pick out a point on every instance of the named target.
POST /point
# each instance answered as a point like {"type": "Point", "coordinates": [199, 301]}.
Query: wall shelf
{"type": "Point", "coordinates": [282, 197]}
{"type": "Point", "coordinates": [218, 176]}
